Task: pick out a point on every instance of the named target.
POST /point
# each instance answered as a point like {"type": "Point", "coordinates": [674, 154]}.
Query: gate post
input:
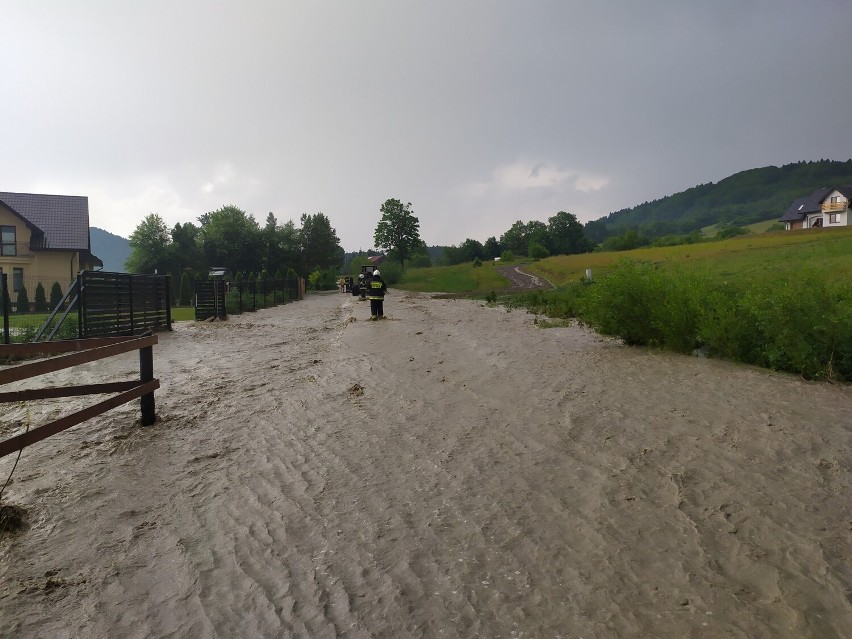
{"type": "Point", "coordinates": [81, 302]}
{"type": "Point", "coordinates": [130, 297]}
{"type": "Point", "coordinates": [169, 302]}
{"type": "Point", "coordinates": [146, 374]}
{"type": "Point", "coordinates": [6, 302]}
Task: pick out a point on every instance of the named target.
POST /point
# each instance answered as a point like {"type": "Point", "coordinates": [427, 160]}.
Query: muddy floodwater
{"type": "Point", "coordinates": [452, 471]}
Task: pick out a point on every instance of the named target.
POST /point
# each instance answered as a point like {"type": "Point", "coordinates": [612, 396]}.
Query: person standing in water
{"type": "Point", "coordinates": [376, 294]}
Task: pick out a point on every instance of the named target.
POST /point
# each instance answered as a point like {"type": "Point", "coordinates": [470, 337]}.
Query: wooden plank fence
{"type": "Point", "coordinates": [122, 303]}
{"type": "Point", "coordinates": [210, 299]}
{"type": "Point", "coordinates": [78, 352]}
{"type": "Point", "coordinates": [211, 296]}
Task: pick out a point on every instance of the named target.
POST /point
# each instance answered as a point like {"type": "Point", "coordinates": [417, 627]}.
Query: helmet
{"type": "Point", "coordinates": [376, 272]}
{"type": "Point", "coordinates": [361, 276]}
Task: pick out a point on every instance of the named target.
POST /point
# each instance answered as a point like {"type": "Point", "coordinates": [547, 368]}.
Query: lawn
{"type": "Point", "coordinates": [459, 278]}
{"type": "Point", "coordinates": [766, 256]}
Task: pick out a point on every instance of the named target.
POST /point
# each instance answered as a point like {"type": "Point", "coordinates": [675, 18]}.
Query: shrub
{"type": "Point", "coordinates": [420, 261]}
{"type": "Point", "coordinates": [623, 303]}
{"type": "Point", "coordinates": [40, 299]}
{"type": "Point", "coordinates": [55, 295]}
{"type": "Point", "coordinates": [232, 302]}
{"type": "Point", "coordinates": [23, 302]}
{"type": "Point", "coordinates": [391, 272]}
{"type": "Point", "coordinates": [323, 280]}
{"type": "Point", "coordinates": [800, 325]}
{"type": "Point", "coordinates": [477, 263]}
{"type": "Point", "coordinates": [507, 256]}
{"type": "Point", "coordinates": [536, 251]}
{"type": "Point", "coordinates": [731, 231]}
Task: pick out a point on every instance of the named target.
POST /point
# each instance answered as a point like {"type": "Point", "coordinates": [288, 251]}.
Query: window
{"type": "Point", "coordinates": [835, 199]}
{"type": "Point", "coordinates": [7, 240]}
{"type": "Point", "coordinates": [17, 279]}
{"type": "Point", "coordinates": [833, 218]}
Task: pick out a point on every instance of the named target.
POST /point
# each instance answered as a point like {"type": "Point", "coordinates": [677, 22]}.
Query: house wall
{"type": "Point", "coordinates": [843, 217]}
{"type": "Point", "coordinates": [46, 267]}
{"type": "Point", "coordinates": [811, 219]}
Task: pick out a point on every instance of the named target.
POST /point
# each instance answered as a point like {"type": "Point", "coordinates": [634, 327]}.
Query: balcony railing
{"type": "Point", "coordinates": [833, 206]}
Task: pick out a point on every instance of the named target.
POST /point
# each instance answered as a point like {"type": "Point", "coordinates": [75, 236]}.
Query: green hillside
{"type": "Point", "coordinates": [742, 199]}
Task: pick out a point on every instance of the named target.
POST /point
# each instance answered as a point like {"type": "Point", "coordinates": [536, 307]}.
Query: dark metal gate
{"type": "Point", "coordinates": [210, 299]}
{"type": "Point", "coordinates": [122, 304]}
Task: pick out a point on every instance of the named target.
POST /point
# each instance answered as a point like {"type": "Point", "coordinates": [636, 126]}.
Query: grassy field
{"type": "Point", "coordinates": [766, 256]}
{"type": "Point", "coordinates": [460, 278]}
{"type": "Point", "coordinates": [757, 227]}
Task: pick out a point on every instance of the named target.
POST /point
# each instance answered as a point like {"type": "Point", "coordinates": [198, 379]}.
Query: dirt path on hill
{"type": "Point", "coordinates": [453, 471]}
{"type": "Point", "coordinates": [522, 280]}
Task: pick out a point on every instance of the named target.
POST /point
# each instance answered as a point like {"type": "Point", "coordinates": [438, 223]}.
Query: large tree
{"type": "Point", "coordinates": [230, 237]}
{"type": "Point", "coordinates": [183, 251]}
{"type": "Point", "coordinates": [565, 235]}
{"type": "Point", "coordinates": [398, 231]}
{"type": "Point", "coordinates": [320, 247]}
{"type": "Point", "coordinates": [149, 246]}
{"type": "Point", "coordinates": [515, 239]}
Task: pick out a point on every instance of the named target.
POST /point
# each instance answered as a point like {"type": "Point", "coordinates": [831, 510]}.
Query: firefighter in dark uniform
{"type": "Point", "coordinates": [376, 294]}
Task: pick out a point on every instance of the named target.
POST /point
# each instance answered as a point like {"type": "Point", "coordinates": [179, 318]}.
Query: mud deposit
{"type": "Point", "coordinates": [453, 471]}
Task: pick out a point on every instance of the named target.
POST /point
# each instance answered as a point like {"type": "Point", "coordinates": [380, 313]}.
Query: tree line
{"type": "Point", "coordinates": [230, 238]}
{"type": "Point", "coordinates": [562, 235]}
{"type": "Point", "coordinates": [738, 200]}
{"type": "Point", "coordinates": [233, 239]}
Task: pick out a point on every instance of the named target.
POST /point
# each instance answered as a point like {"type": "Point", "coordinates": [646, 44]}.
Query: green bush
{"type": "Point", "coordinates": [40, 299]}
{"type": "Point", "coordinates": [624, 302]}
{"type": "Point", "coordinates": [23, 301]}
{"type": "Point", "coordinates": [391, 272]}
{"type": "Point", "coordinates": [477, 263]}
{"type": "Point", "coordinates": [507, 256]}
{"type": "Point", "coordinates": [323, 280]}
{"type": "Point", "coordinates": [232, 302]}
{"type": "Point", "coordinates": [537, 251]}
{"type": "Point", "coordinates": [731, 231]}
{"type": "Point", "coordinates": [800, 325]}
{"type": "Point", "coordinates": [55, 295]}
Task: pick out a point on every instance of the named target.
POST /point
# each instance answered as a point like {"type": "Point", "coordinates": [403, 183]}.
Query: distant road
{"type": "Point", "coordinates": [523, 280]}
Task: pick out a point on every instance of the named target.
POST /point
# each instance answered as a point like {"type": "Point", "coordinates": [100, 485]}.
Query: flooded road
{"type": "Point", "coordinates": [452, 471]}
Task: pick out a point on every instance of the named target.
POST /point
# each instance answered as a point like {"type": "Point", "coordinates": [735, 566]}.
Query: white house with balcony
{"type": "Point", "coordinates": [824, 208]}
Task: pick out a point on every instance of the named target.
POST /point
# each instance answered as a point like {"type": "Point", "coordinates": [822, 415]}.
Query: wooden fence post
{"type": "Point", "coordinates": [146, 374]}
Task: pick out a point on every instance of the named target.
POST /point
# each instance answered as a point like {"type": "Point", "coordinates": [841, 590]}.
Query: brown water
{"type": "Point", "coordinates": [453, 471]}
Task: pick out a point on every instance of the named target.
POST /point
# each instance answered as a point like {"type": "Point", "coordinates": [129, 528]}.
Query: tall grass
{"type": "Point", "coordinates": [801, 323]}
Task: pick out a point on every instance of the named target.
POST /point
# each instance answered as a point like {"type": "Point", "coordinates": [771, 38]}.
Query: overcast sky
{"type": "Point", "coordinates": [478, 112]}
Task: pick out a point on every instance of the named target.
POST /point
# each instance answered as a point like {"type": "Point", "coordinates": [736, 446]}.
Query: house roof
{"type": "Point", "coordinates": [63, 219]}
{"type": "Point", "coordinates": [801, 206]}
{"type": "Point", "coordinates": [845, 191]}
